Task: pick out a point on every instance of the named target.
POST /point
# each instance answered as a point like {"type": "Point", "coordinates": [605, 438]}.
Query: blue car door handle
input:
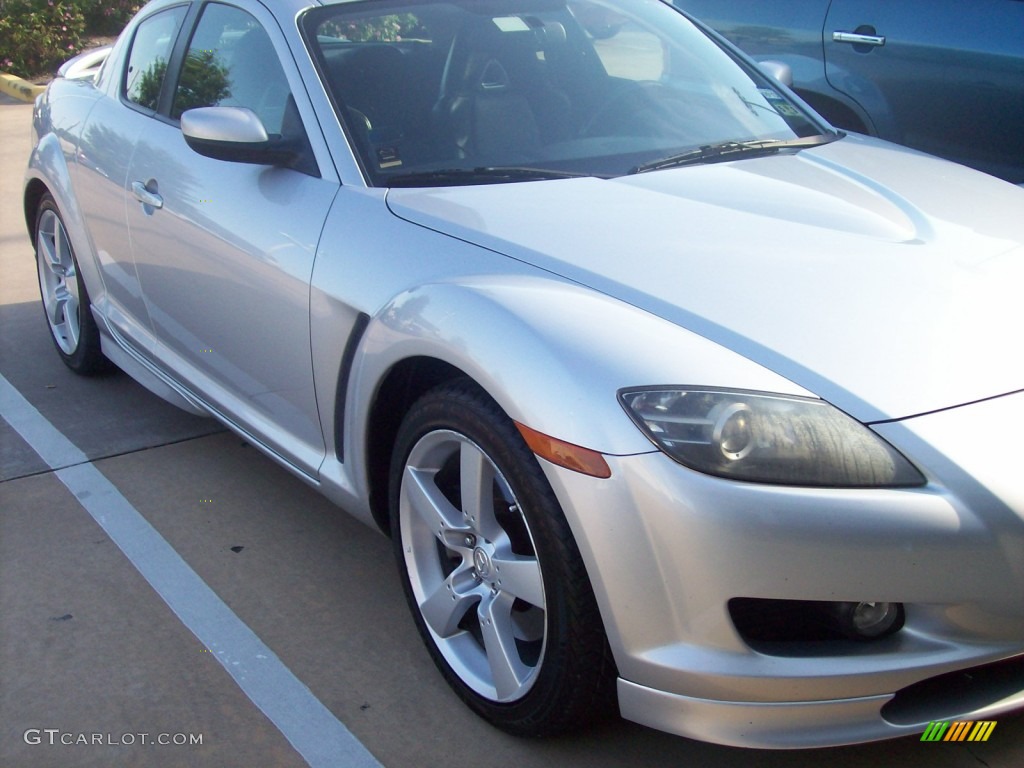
{"type": "Point", "coordinates": [146, 197]}
{"type": "Point", "coordinates": [857, 38]}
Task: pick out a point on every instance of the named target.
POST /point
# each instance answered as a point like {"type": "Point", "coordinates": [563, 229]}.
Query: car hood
{"type": "Point", "coordinates": [886, 281]}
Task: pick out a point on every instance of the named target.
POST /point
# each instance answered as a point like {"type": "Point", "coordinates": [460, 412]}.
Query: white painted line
{"type": "Point", "coordinates": [45, 439]}
{"type": "Point", "coordinates": [317, 735]}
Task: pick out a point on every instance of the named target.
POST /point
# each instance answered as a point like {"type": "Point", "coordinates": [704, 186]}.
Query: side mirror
{"type": "Point", "coordinates": [779, 70]}
{"type": "Point", "coordinates": [235, 134]}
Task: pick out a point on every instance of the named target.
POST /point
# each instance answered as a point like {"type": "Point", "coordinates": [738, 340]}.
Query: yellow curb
{"type": "Point", "coordinates": [18, 88]}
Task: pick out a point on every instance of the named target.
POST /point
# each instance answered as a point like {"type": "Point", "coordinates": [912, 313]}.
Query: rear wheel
{"type": "Point", "coordinates": [491, 570]}
{"type": "Point", "coordinates": [65, 300]}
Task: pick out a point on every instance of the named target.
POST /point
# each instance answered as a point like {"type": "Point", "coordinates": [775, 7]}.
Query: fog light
{"type": "Point", "coordinates": [868, 621]}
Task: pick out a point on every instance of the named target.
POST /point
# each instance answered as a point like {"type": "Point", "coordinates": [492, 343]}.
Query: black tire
{"type": "Point", "coordinates": [556, 669]}
{"type": "Point", "coordinates": [65, 298]}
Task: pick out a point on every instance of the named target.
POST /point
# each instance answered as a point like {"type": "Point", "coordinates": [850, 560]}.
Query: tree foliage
{"type": "Point", "coordinates": [37, 36]}
{"type": "Point", "coordinates": [204, 82]}
{"type": "Point", "coordinates": [379, 28]}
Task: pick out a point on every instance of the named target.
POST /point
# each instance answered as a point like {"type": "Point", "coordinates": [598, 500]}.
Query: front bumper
{"type": "Point", "coordinates": [668, 548]}
{"type": "Point", "coordinates": [975, 694]}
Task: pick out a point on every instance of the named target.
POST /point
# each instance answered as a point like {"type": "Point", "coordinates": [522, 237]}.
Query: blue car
{"type": "Point", "coordinates": [941, 76]}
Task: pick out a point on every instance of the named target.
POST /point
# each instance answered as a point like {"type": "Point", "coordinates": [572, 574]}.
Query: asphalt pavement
{"type": "Point", "coordinates": [170, 597]}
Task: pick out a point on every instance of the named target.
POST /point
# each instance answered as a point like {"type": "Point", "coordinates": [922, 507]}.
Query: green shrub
{"type": "Point", "coordinates": [107, 17]}
{"type": "Point", "coordinates": [37, 36]}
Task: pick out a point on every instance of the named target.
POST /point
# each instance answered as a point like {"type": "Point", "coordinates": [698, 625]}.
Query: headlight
{"type": "Point", "coordinates": [767, 438]}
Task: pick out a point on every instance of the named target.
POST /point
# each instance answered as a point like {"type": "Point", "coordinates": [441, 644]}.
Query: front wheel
{"type": "Point", "coordinates": [491, 570]}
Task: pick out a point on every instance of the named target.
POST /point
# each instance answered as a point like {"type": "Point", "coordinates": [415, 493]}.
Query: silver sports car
{"type": "Point", "coordinates": [672, 397]}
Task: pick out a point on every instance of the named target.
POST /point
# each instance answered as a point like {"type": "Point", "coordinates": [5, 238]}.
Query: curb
{"type": "Point", "coordinates": [18, 88]}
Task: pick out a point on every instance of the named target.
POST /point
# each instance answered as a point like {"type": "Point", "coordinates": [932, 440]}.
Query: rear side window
{"type": "Point", "coordinates": [149, 54]}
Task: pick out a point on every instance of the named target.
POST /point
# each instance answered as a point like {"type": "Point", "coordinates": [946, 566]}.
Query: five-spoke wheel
{"type": "Point", "coordinates": [65, 299]}
{"type": "Point", "coordinates": [491, 569]}
{"type": "Point", "coordinates": [472, 565]}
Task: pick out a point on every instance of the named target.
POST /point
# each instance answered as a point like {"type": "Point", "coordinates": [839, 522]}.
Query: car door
{"type": "Point", "coordinates": [225, 250]}
{"type": "Point", "coordinates": [943, 76]}
{"type": "Point", "coordinates": [789, 32]}
{"type": "Point", "coordinates": [765, 29]}
{"type": "Point", "coordinates": [101, 169]}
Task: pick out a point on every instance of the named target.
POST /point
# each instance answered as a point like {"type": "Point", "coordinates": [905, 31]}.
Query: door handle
{"type": "Point", "coordinates": [857, 38]}
{"type": "Point", "coordinates": [144, 196]}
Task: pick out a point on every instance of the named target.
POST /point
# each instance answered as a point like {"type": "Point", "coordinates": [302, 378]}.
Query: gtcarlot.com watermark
{"type": "Point", "coordinates": [55, 737]}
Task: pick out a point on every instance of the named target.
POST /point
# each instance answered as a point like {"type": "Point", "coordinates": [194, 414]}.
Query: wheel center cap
{"type": "Point", "coordinates": [482, 562]}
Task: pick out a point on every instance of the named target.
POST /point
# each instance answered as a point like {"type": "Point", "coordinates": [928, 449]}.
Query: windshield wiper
{"type": "Point", "coordinates": [483, 175]}
{"type": "Point", "coordinates": [731, 150]}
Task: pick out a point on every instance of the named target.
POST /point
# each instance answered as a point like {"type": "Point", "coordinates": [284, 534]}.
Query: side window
{"type": "Point", "coordinates": [232, 63]}
{"type": "Point", "coordinates": [150, 51]}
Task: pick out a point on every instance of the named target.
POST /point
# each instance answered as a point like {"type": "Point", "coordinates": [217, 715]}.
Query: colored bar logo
{"type": "Point", "coordinates": [967, 730]}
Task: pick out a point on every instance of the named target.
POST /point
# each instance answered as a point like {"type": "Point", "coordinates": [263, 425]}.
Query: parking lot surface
{"type": "Point", "coordinates": [169, 597]}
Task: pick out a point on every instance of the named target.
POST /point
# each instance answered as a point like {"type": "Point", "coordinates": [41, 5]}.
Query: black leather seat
{"type": "Point", "coordinates": [374, 80]}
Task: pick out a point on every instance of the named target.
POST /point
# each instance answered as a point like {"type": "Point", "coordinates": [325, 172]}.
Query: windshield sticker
{"type": "Point", "coordinates": [778, 103]}
{"type": "Point", "coordinates": [511, 24]}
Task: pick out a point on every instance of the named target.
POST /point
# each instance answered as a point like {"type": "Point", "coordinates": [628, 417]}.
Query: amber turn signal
{"type": "Point", "coordinates": [565, 454]}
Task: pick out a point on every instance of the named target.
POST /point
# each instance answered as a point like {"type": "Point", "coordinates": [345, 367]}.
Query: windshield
{"type": "Point", "coordinates": [463, 91]}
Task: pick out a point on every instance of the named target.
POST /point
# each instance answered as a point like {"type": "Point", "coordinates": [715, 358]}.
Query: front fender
{"type": "Point", "coordinates": [553, 354]}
